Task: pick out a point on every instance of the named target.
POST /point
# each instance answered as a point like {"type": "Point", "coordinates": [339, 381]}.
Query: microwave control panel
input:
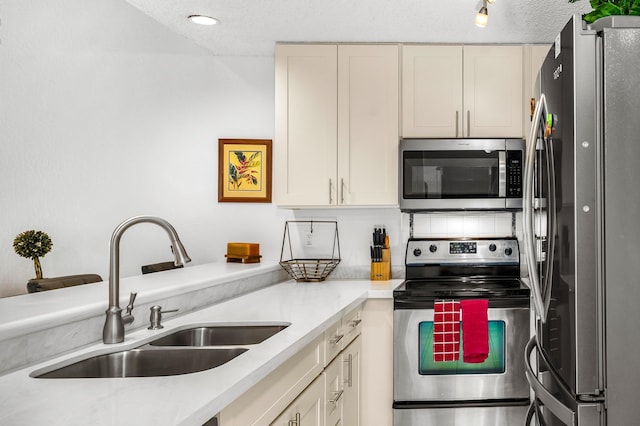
{"type": "Point", "coordinates": [514, 174]}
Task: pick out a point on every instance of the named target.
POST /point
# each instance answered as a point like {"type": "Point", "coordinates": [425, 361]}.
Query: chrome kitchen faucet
{"type": "Point", "coordinates": [113, 331]}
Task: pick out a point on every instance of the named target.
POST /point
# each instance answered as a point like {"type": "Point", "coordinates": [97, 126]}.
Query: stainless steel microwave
{"type": "Point", "coordinates": [460, 174]}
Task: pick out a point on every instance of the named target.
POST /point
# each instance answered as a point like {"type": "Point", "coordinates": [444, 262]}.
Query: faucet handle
{"type": "Point", "coordinates": [132, 298]}
{"type": "Point", "coordinates": [155, 319]}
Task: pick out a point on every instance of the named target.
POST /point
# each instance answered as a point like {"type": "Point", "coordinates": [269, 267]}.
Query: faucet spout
{"type": "Point", "coordinates": [113, 331]}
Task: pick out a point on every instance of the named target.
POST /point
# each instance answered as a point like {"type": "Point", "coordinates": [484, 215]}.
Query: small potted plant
{"type": "Point", "coordinates": [602, 8]}
{"type": "Point", "coordinates": [33, 245]}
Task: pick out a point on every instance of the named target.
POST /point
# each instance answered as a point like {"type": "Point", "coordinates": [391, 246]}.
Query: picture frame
{"type": "Point", "coordinates": [244, 170]}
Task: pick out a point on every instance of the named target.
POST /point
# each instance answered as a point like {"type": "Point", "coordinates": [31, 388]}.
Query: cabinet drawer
{"type": "Point", "coordinates": [333, 337]}
{"type": "Point", "coordinates": [334, 391]}
{"type": "Point", "coordinates": [351, 326]}
{"type": "Point", "coordinates": [267, 399]}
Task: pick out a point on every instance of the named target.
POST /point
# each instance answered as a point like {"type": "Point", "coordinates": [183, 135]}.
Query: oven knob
{"type": "Point", "coordinates": [417, 252]}
{"type": "Point", "coordinates": [508, 251]}
{"type": "Point", "coordinates": [492, 247]}
{"type": "Point", "coordinates": [433, 248]}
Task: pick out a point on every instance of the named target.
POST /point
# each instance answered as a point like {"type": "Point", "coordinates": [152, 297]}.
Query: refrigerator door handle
{"type": "Point", "coordinates": [552, 221]}
{"type": "Point", "coordinates": [527, 210]}
{"type": "Point", "coordinates": [534, 412]}
{"type": "Point", "coordinates": [565, 414]}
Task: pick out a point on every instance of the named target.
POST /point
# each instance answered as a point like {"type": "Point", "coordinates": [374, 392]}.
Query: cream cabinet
{"type": "Point", "coordinates": [534, 55]}
{"type": "Point", "coordinates": [307, 409]}
{"type": "Point", "coordinates": [376, 363]}
{"type": "Point", "coordinates": [310, 387]}
{"type": "Point", "coordinates": [470, 91]}
{"type": "Point", "coordinates": [351, 362]}
{"type": "Point", "coordinates": [334, 392]}
{"type": "Point", "coordinates": [336, 125]}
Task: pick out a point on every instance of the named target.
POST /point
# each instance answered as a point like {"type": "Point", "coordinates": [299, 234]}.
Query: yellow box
{"type": "Point", "coordinates": [243, 249]}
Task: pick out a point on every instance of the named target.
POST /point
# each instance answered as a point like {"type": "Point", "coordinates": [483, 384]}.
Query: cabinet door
{"type": "Point", "coordinates": [307, 409]}
{"type": "Point", "coordinates": [334, 392]}
{"type": "Point", "coordinates": [493, 91]}
{"type": "Point", "coordinates": [431, 91]}
{"type": "Point", "coordinates": [305, 147]}
{"type": "Point", "coordinates": [368, 101]}
{"type": "Point", "coordinates": [351, 397]}
{"type": "Point", "coordinates": [535, 55]}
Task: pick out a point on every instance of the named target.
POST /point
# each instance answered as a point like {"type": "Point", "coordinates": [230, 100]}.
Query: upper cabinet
{"type": "Point", "coordinates": [534, 55]}
{"type": "Point", "coordinates": [336, 125]}
{"type": "Point", "coordinates": [431, 91]}
{"type": "Point", "coordinates": [471, 91]}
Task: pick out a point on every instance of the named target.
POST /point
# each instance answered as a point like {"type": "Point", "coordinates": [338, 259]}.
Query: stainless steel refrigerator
{"type": "Point", "coordinates": [582, 227]}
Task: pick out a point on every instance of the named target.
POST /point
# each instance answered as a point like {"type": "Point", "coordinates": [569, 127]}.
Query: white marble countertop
{"type": "Point", "coordinates": [27, 313]}
{"type": "Point", "coordinates": [189, 399]}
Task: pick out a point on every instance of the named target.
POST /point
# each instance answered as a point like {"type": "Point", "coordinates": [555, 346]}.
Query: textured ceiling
{"type": "Point", "coordinates": [252, 27]}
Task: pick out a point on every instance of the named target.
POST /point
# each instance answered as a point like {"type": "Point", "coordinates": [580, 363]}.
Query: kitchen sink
{"type": "Point", "coordinates": [220, 335]}
{"type": "Point", "coordinates": [146, 362]}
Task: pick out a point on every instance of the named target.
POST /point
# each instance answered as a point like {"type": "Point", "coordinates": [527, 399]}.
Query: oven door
{"type": "Point", "coordinates": [501, 376]}
{"type": "Point", "coordinates": [460, 174]}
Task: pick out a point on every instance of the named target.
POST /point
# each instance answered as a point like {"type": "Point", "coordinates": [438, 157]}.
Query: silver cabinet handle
{"type": "Point", "coordinates": [336, 398]}
{"type": "Point", "coordinates": [349, 362]}
{"type": "Point", "coordinates": [341, 191]}
{"type": "Point", "coordinates": [354, 323]}
{"type": "Point", "coordinates": [457, 121]}
{"type": "Point", "coordinates": [468, 123]}
{"type": "Point", "coordinates": [295, 422]}
{"type": "Point", "coordinates": [330, 192]}
{"type": "Point", "coordinates": [336, 339]}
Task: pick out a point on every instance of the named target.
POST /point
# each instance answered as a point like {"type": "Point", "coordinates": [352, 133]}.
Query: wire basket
{"type": "Point", "coordinates": [310, 249]}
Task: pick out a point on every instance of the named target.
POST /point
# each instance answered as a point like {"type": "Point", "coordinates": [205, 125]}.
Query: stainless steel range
{"type": "Point", "coordinates": [429, 390]}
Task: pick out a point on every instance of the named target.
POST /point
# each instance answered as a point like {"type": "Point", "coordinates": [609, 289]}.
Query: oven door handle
{"type": "Point", "coordinates": [550, 402]}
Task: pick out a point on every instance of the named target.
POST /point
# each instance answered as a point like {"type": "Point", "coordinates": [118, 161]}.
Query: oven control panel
{"type": "Point", "coordinates": [438, 251]}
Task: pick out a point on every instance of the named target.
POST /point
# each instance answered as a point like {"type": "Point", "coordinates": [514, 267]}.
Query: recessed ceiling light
{"type": "Point", "coordinates": [202, 20]}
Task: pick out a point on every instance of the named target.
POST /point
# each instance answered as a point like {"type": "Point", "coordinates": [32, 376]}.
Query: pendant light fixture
{"type": "Point", "coordinates": [482, 17]}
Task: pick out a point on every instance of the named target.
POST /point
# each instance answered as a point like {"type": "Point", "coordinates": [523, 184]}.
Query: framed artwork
{"type": "Point", "coordinates": [244, 170]}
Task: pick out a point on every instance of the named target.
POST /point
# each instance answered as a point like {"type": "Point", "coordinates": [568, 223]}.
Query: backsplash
{"type": "Point", "coordinates": [464, 224]}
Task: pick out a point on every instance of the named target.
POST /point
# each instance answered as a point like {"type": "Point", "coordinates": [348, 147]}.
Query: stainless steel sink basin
{"type": "Point", "coordinates": [145, 362]}
{"type": "Point", "coordinates": [222, 335]}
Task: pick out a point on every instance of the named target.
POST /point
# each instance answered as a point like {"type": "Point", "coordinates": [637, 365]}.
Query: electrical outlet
{"type": "Point", "coordinates": [308, 239]}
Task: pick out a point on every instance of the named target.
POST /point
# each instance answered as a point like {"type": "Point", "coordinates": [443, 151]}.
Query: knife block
{"type": "Point", "coordinates": [381, 271]}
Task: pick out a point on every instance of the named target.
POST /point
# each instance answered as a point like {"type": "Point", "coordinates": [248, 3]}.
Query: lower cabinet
{"type": "Point", "coordinates": [319, 386]}
{"type": "Point", "coordinates": [307, 409]}
{"type": "Point", "coordinates": [351, 362]}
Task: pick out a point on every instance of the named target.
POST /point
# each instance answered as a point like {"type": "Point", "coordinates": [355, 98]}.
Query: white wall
{"type": "Point", "coordinates": [105, 114]}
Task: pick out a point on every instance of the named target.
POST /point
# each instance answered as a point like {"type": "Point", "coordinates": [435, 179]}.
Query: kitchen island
{"type": "Point", "coordinates": [188, 399]}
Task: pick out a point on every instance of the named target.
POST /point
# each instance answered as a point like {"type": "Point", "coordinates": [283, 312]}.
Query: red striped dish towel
{"type": "Point", "coordinates": [446, 330]}
{"type": "Point", "coordinates": [475, 330]}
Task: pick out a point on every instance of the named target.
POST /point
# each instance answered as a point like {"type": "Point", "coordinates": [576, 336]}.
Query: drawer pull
{"type": "Point", "coordinates": [354, 323]}
{"type": "Point", "coordinates": [349, 362]}
{"type": "Point", "coordinates": [337, 397]}
{"type": "Point", "coordinates": [336, 339]}
{"type": "Point", "coordinates": [295, 422]}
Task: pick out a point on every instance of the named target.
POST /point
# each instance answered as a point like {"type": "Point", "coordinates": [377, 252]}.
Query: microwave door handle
{"type": "Point", "coordinates": [527, 210]}
{"type": "Point", "coordinates": [502, 174]}
{"type": "Point", "coordinates": [565, 414]}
